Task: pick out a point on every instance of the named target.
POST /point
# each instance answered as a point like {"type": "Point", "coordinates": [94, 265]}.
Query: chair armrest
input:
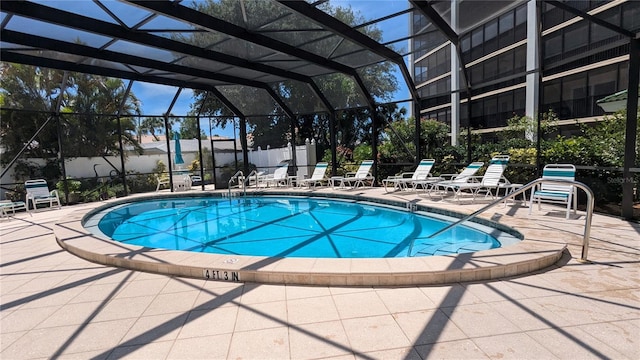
{"type": "Point", "coordinates": [447, 176]}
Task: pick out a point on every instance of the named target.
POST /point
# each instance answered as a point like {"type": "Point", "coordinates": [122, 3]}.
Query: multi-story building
{"type": "Point", "coordinates": [529, 58]}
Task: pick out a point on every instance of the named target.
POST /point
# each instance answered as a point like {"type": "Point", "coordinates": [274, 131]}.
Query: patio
{"type": "Point", "coordinates": [57, 305]}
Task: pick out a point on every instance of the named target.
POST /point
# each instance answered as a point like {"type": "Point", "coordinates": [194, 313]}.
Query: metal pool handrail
{"type": "Point", "coordinates": [589, 216]}
{"type": "Point", "coordinates": [248, 179]}
{"type": "Point", "coordinates": [235, 177]}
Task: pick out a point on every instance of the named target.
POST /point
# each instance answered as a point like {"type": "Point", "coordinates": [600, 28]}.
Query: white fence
{"type": "Point", "coordinates": [265, 160]}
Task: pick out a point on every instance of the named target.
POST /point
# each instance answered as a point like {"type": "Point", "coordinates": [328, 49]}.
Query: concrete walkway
{"type": "Point", "coordinates": [56, 305]}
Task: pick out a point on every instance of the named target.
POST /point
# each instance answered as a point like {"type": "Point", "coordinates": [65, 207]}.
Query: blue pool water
{"type": "Point", "coordinates": [285, 227]}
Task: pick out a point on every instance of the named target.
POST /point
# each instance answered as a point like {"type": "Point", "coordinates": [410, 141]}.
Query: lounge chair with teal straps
{"type": "Point", "coordinates": [317, 177]}
{"type": "Point", "coordinates": [403, 180]}
{"type": "Point", "coordinates": [449, 181]}
{"type": "Point", "coordinates": [38, 193]}
{"type": "Point", "coordinates": [487, 183]}
{"type": "Point", "coordinates": [553, 192]}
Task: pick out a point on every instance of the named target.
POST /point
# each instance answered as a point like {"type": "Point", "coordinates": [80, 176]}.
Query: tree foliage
{"type": "Point", "coordinates": [267, 122]}
{"type": "Point", "coordinates": [88, 123]}
{"type": "Point", "coordinates": [31, 95]}
{"type": "Point", "coordinates": [94, 133]}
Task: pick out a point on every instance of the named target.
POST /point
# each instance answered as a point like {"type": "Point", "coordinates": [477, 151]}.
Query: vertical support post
{"type": "Point", "coordinates": [294, 160]}
{"type": "Point", "coordinates": [631, 128]}
{"type": "Point", "coordinates": [166, 132]}
{"type": "Point", "coordinates": [374, 143]}
{"type": "Point", "coordinates": [213, 159]}
{"type": "Point", "coordinates": [418, 130]}
{"type": "Point", "coordinates": [200, 159]}
{"type": "Point", "coordinates": [235, 146]}
{"type": "Point", "coordinates": [332, 140]}
{"type": "Point", "coordinates": [121, 144]}
{"type": "Point", "coordinates": [533, 67]}
{"type": "Point", "coordinates": [122, 169]}
{"type": "Point", "coordinates": [63, 167]}
{"type": "Point", "coordinates": [206, 97]}
{"type": "Point", "coordinates": [61, 159]}
{"type": "Point", "coordinates": [469, 142]}
{"type": "Point", "coordinates": [538, 36]}
{"type": "Point", "coordinates": [245, 147]}
{"type": "Point", "coordinates": [455, 77]}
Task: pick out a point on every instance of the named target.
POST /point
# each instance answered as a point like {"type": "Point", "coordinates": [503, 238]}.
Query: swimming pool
{"type": "Point", "coordinates": [287, 226]}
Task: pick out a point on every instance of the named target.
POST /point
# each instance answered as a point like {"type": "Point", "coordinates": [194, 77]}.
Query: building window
{"type": "Point", "coordinates": [477, 38]}
{"type": "Point", "coordinates": [505, 64]}
{"type": "Point", "coordinates": [506, 29]}
{"type": "Point", "coordinates": [602, 82]}
{"type": "Point", "coordinates": [623, 76]}
{"type": "Point", "coordinates": [520, 59]}
{"type": "Point", "coordinates": [552, 45]}
{"type": "Point", "coordinates": [520, 30]}
{"type": "Point", "coordinates": [576, 36]}
{"type": "Point", "coordinates": [491, 69]}
{"type": "Point", "coordinates": [552, 97]}
{"type": "Point", "coordinates": [491, 36]}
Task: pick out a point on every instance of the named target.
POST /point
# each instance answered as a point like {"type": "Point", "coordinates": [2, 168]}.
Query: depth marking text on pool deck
{"type": "Point", "coordinates": [224, 275]}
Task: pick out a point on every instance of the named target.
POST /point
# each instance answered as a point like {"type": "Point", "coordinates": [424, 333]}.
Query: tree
{"type": "Point", "coordinates": [189, 129]}
{"type": "Point", "coordinates": [153, 126]}
{"type": "Point", "coordinates": [264, 116]}
{"type": "Point", "coordinates": [88, 122]}
{"type": "Point", "coordinates": [94, 127]}
{"type": "Point", "coordinates": [31, 94]}
{"type": "Point", "coordinates": [399, 145]}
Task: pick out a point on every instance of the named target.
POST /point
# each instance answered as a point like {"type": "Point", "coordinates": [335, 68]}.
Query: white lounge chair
{"type": "Point", "coordinates": [449, 181]}
{"type": "Point", "coordinates": [162, 181]}
{"type": "Point", "coordinates": [278, 178]}
{"type": "Point", "coordinates": [556, 193]}
{"type": "Point", "coordinates": [361, 177]}
{"type": "Point", "coordinates": [7, 206]}
{"type": "Point", "coordinates": [38, 193]}
{"type": "Point", "coordinates": [490, 181]}
{"type": "Point", "coordinates": [317, 177]}
{"type": "Point", "coordinates": [403, 180]}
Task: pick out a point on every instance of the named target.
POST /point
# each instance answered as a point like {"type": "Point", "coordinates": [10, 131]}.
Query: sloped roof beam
{"type": "Point", "coordinates": [96, 70]}
{"type": "Point", "coordinates": [437, 20]}
{"type": "Point", "coordinates": [87, 51]}
{"type": "Point", "coordinates": [63, 18]}
{"type": "Point", "coordinates": [183, 13]}
{"type": "Point", "coordinates": [280, 102]}
{"type": "Point", "coordinates": [346, 31]}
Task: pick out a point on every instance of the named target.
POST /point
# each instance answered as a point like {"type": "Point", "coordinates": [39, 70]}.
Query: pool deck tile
{"type": "Point", "coordinates": [54, 304]}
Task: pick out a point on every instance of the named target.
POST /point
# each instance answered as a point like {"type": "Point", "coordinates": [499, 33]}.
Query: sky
{"type": "Point", "coordinates": [156, 99]}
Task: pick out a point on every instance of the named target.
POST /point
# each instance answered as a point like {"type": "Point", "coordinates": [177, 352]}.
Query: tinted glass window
{"type": "Point", "coordinates": [491, 37]}
{"type": "Point", "coordinates": [602, 82]}
{"type": "Point", "coordinates": [490, 69]}
{"type": "Point", "coordinates": [505, 27]}
{"type": "Point", "coordinates": [576, 36]}
{"type": "Point", "coordinates": [552, 45]}
{"type": "Point", "coordinates": [505, 63]}
{"type": "Point", "coordinates": [574, 94]}
{"type": "Point", "coordinates": [520, 59]}
{"type": "Point", "coordinates": [520, 31]}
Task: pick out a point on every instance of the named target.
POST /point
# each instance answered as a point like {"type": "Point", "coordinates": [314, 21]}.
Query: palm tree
{"type": "Point", "coordinates": [96, 102]}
